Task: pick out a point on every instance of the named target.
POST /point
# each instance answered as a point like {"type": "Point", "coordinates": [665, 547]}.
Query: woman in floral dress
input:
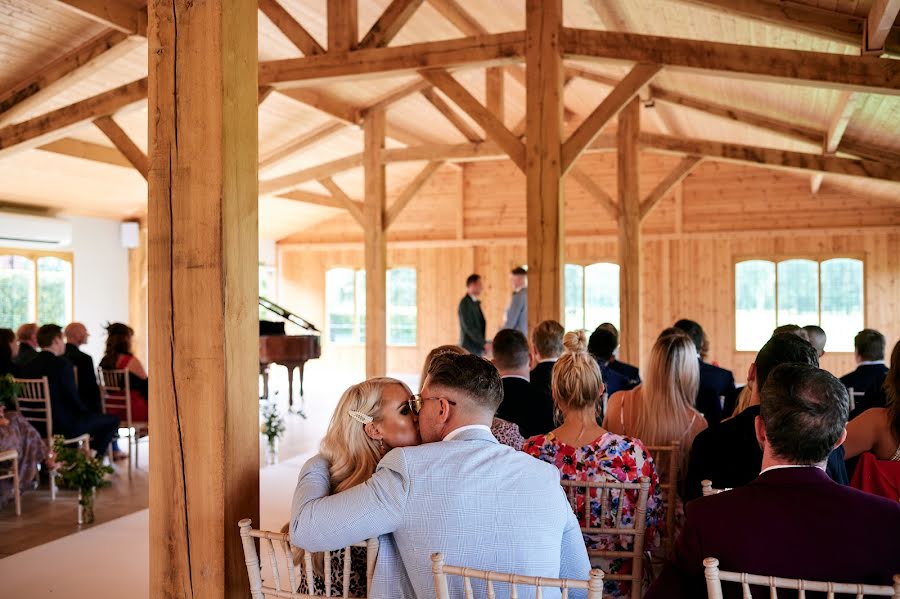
{"type": "Point", "coordinates": [582, 450]}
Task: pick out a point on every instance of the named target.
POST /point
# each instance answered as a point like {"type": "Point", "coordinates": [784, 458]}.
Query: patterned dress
{"type": "Point", "coordinates": [507, 433]}
{"type": "Point", "coordinates": [609, 458]}
{"type": "Point", "coordinates": [18, 434]}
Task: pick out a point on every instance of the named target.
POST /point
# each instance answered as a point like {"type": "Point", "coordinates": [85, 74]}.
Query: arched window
{"type": "Point", "coordinates": [345, 298]}
{"type": "Point", "coordinates": [401, 306]}
{"type": "Point", "coordinates": [340, 299]}
{"type": "Point", "coordinates": [35, 287]}
{"type": "Point", "coordinates": [591, 295]}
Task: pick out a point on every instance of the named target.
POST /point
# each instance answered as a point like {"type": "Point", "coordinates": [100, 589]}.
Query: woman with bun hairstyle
{"type": "Point", "coordinates": [583, 450]}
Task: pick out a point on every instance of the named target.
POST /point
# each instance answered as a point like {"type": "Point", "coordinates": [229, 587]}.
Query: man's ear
{"type": "Point", "coordinates": [842, 439]}
{"type": "Point", "coordinates": [760, 431]}
{"type": "Point", "coordinates": [372, 431]}
{"type": "Point", "coordinates": [751, 373]}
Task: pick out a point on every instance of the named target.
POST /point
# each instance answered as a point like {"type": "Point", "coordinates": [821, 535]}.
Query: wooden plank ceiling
{"type": "Point", "coordinates": [307, 126]}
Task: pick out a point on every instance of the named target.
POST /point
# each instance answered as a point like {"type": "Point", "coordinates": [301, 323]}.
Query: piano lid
{"type": "Point", "coordinates": [287, 315]}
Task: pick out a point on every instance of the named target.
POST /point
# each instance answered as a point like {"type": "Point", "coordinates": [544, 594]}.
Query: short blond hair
{"type": "Point", "coordinates": [576, 382]}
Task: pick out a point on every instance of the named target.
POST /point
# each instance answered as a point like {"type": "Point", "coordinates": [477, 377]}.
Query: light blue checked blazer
{"type": "Point", "coordinates": [483, 504]}
{"type": "Point", "coordinates": [517, 312]}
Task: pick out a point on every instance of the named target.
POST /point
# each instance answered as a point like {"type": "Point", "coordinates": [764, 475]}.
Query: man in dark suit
{"type": "Point", "coordinates": [77, 335]}
{"type": "Point", "coordinates": [471, 319]}
{"type": "Point", "coordinates": [728, 454]}
{"type": "Point", "coordinates": [792, 521]}
{"type": "Point", "coordinates": [546, 348]}
{"type": "Point", "coordinates": [26, 335]}
{"type": "Point", "coordinates": [70, 417]}
{"type": "Point", "coordinates": [715, 382]}
{"type": "Point", "coordinates": [601, 345]}
{"type": "Point", "coordinates": [870, 371]}
{"type": "Point", "coordinates": [631, 373]}
{"type": "Point", "coordinates": [521, 404]}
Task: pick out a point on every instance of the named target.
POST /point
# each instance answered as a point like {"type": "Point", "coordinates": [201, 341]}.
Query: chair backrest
{"type": "Point", "coordinates": [115, 392]}
{"type": "Point", "coordinates": [603, 494]}
{"type": "Point", "coordinates": [594, 585]}
{"type": "Point", "coordinates": [707, 488]}
{"type": "Point", "coordinates": [714, 578]}
{"type": "Point", "coordinates": [669, 455]}
{"type": "Point", "coordinates": [33, 404]}
{"type": "Point", "coordinates": [854, 397]}
{"type": "Point", "coordinates": [282, 563]}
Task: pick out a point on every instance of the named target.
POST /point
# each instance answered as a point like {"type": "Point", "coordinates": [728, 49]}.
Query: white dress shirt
{"type": "Point", "coordinates": [455, 432]}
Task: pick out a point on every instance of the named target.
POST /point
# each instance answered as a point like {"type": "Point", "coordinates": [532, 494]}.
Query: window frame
{"type": "Point", "coordinates": [583, 264]}
{"type": "Point", "coordinates": [776, 259]}
{"type": "Point", "coordinates": [33, 256]}
{"type": "Point", "coordinates": [387, 293]}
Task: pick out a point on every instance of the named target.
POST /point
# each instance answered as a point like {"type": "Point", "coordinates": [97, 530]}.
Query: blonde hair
{"type": "Point", "coordinates": [669, 389]}
{"type": "Point", "coordinates": [351, 453]}
{"type": "Point", "coordinates": [576, 382]}
{"type": "Point", "coordinates": [743, 401]}
{"type": "Point", "coordinates": [440, 349]}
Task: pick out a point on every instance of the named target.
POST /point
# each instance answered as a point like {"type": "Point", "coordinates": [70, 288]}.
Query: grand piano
{"type": "Point", "coordinates": [291, 351]}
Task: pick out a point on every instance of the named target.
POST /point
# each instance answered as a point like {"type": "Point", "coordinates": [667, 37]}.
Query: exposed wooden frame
{"type": "Point", "coordinates": [451, 115]}
{"type": "Point", "coordinates": [117, 14]}
{"type": "Point", "coordinates": [629, 230]}
{"type": "Point", "coordinates": [606, 201]}
{"type": "Point", "coordinates": [343, 25]}
{"type": "Point", "coordinates": [375, 245]}
{"type": "Point", "coordinates": [55, 124]}
{"type": "Point", "coordinates": [404, 91]}
{"type": "Point", "coordinates": [389, 23]}
{"type": "Point", "coordinates": [316, 199]}
{"type": "Point", "coordinates": [281, 184]}
{"type": "Point", "coordinates": [324, 102]}
{"type": "Point", "coordinates": [315, 135]}
{"type": "Point", "coordinates": [609, 15]}
{"type": "Point", "coordinates": [494, 91]}
{"type": "Point", "coordinates": [878, 25]}
{"type": "Point", "coordinates": [86, 150]}
{"type": "Point", "coordinates": [410, 191]}
{"type": "Point", "coordinates": [355, 208]}
{"type": "Point", "coordinates": [458, 16]}
{"type": "Point", "coordinates": [495, 129]}
{"type": "Point", "coordinates": [471, 152]}
{"type": "Point", "coordinates": [846, 106]}
{"type": "Point", "coordinates": [861, 73]}
{"type": "Point", "coordinates": [771, 157]}
{"type": "Point", "coordinates": [590, 128]}
{"type": "Point", "coordinates": [124, 144]}
{"type": "Point", "coordinates": [84, 61]}
{"type": "Point", "coordinates": [289, 26]}
{"type": "Point", "coordinates": [676, 176]}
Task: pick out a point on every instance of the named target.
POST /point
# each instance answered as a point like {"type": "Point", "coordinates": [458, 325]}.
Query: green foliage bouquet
{"type": "Point", "coordinates": [9, 391]}
{"type": "Point", "coordinates": [79, 470]}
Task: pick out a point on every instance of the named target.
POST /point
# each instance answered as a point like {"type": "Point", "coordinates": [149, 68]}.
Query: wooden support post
{"type": "Point", "coordinates": [202, 225]}
{"type": "Point", "coordinates": [543, 173]}
{"type": "Point", "coordinates": [343, 26]}
{"type": "Point", "coordinates": [376, 245]}
{"type": "Point", "coordinates": [629, 231]}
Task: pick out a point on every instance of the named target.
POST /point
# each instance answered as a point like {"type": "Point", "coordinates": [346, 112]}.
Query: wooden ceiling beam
{"type": "Point", "coordinates": [84, 61]}
{"type": "Point", "coordinates": [451, 115]}
{"type": "Point", "coordinates": [291, 29]}
{"type": "Point", "coordinates": [353, 207]}
{"type": "Point", "coordinates": [620, 96]}
{"type": "Point", "coordinates": [76, 148]}
{"type": "Point", "coordinates": [846, 106]}
{"type": "Point", "coordinates": [480, 50]}
{"type": "Point", "coordinates": [606, 201]}
{"type": "Point", "coordinates": [309, 138]}
{"type": "Point", "coordinates": [57, 123]}
{"type": "Point", "coordinates": [324, 102]}
{"type": "Point", "coordinates": [410, 191]}
{"type": "Point", "coordinates": [771, 157]}
{"type": "Point", "coordinates": [117, 14]}
{"type": "Point", "coordinates": [676, 176]}
{"type": "Point", "coordinates": [494, 91]}
{"type": "Point", "coordinates": [878, 26]}
{"type": "Point", "coordinates": [343, 25]}
{"type": "Point", "coordinates": [124, 144]}
{"type": "Point", "coordinates": [818, 69]}
{"type": "Point", "coordinates": [389, 23]}
{"type": "Point", "coordinates": [472, 152]}
{"type": "Point", "coordinates": [404, 91]}
{"type": "Point", "coordinates": [308, 197]}
{"type": "Point", "coordinates": [321, 171]}
{"type": "Point", "coordinates": [492, 126]}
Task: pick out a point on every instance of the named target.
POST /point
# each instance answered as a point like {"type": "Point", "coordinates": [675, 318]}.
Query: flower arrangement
{"type": "Point", "coordinates": [272, 426]}
{"type": "Point", "coordinates": [79, 470]}
{"type": "Point", "coordinates": [9, 391]}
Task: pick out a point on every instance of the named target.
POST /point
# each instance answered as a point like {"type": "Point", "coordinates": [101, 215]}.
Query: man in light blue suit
{"type": "Point", "coordinates": [517, 310]}
{"type": "Point", "coordinates": [482, 504]}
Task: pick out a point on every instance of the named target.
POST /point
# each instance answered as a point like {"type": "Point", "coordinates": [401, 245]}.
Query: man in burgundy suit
{"type": "Point", "coordinates": [792, 521]}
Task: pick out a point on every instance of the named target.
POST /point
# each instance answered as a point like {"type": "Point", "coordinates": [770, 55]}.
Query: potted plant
{"type": "Point", "coordinates": [273, 428]}
{"type": "Point", "coordinates": [78, 469]}
{"type": "Point", "coordinates": [9, 392]}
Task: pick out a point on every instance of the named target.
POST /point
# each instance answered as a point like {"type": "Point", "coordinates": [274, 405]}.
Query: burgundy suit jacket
{"type": "Point", "coordinates": [792, 523]}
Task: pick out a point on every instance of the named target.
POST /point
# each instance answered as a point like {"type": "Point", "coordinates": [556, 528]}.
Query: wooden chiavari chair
{"type": "Point", "coordinates": [670, 455]}
{"type": "Point", "coordinates": [714, 578]}
{"type": "Point", "coordinates": [11, 455]}
{"type": "Point", "coordinates": [594, 585]}
{"type": "Point", "coordinates": [855, 396]}
{"type": "Point", "coordinates": [607, 491]}
{"type": "Point", "coordinates": [33, 404]}
{"type": "Point", "coordinates": [282, 563]}
{"type": "Point", "coordinates": [115, 394]}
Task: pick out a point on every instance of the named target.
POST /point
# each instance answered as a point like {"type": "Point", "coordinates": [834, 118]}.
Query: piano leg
{"type": "Point", "coordinates": [291, 390]}
{"type": "Point", "coordinates": [302, 397]}
{"type": "Point", "coordinates": [264, 373]}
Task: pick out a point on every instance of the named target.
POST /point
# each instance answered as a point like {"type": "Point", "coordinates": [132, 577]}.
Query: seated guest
{"type": "Point", "coordinates": [461, 493]}
{"type": "Point", "coordinates": [728, 454]}
{"type": "Point", "coordinates": [627, 370]}
{"type": "Point", "coordinates": [17, 433]}
{"type": "Point", "coordinates": [817, 338]}
{"type": "Point", "coordinates": [28, 345]}
{"type": "Point", "coordinates": [877, 430]}
{"type": "Point", "coordinates": [118, 356]}
{"type": "Point", "coordinates": [870, 371]}
{"type": "Point", "coordinates": [506, 432]}
{"type": "Point", "coordinates": [793, 329]}
{"type": "Point", "coordinates": [792, 521]}
{"type": "Point", "coordinates": [582, 450]}
{"type": "Point", "coordinates": [370, 419]}
{"type": "Point", "coordinates": [522, 404]}
{"type": "Point", "coordinates": [546, 347]}
{"type": "Point", "coordinates": [661, 410]}
{"type": "Point", "coordinates": [70, 417]}
{"type": "Point", "coordinates": [715, 382]}
{"type": "Point", "coordinates": [76, 336]}
{"type": "Point", "coordinates": [601, 346]}
{"type": "Point", "coordinates": [9, 349]}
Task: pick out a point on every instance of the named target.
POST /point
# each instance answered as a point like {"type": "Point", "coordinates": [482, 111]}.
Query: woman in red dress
{"type": "Point", "coordinates": [118, 356]}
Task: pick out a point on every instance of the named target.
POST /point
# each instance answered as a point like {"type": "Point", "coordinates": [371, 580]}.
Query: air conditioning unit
{"type": "Point", "coordinates": [34, 232]}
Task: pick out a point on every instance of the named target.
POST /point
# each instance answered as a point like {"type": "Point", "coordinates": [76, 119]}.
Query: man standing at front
{"type": "Point", "coordinates": [517, 311]}
{"type": "Point", "coordinates": [482, 504]}
{"type": "Point", "coordinates": [471, 318]}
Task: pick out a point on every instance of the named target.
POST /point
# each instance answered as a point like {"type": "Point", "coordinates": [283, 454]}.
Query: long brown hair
{"type": "Point", "coordinates": [892, 391]}
{"type": "Point", "coordinates": [118, 342]}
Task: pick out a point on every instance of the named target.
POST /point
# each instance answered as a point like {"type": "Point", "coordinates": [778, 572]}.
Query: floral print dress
{"type": "Point", "coordinates": [613, 458]}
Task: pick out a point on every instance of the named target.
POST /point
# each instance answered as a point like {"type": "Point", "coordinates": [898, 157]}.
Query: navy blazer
{"type": "Point", "coordinates": [715, 382]}
{"type": "Point", "coordinates": [791, 523]}
{"type": "Point", "coordinates": [527, 406]}
{"type": "Point", "coordinates": [627, 370]}
{"type": "Point", "coordinates": [88, 390]}
{"type": "Point", "coordinates": [471, 325]}
{"type": "Point", "coordinates": [613, 380]}
{"type": "Point", "coordinates": [868, 379]}
{"type": "Point", "coordinates": [26, 354]}
{"type": "Point", "coordinates": [64, 400]}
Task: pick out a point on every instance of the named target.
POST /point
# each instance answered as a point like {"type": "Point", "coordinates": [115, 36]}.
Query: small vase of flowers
{"type": "Point", "coordinates": [273, 428]}
{"type": "Point", "coordinates": [78, 469]}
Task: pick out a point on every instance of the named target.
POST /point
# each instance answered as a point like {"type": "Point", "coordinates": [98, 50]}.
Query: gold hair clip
{"type": "Point", "coordinates": [360, 417]}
